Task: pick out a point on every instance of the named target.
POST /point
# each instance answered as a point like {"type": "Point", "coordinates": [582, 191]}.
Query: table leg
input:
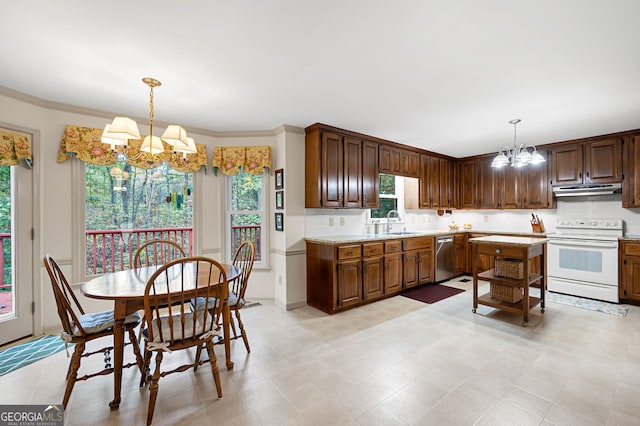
{"type": "Point", "coordinates": [226, 319]}
{"type": "Point", "coordinates": [118, 352]}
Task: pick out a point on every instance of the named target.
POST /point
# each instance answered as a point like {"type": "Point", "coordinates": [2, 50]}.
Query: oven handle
{"type": "Point", "coordinates": [584, 243]}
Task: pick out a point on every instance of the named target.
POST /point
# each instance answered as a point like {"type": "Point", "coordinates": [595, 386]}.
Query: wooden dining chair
{"type": "Point", "coordinates": [79, 328]}
{"type": "Point", "coordinates": [243, 258]}
{"type": "Point", "coordinates": [171, 325]}
{"type": "Point", "coordinates": [157, 252]}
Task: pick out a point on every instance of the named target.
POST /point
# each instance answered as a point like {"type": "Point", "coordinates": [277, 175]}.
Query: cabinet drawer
{"type": "Point", "coordinates": [458, 238]}
{"type": "Point", "coordinates": [371, 249]}
{"type": "Point", "coordinates": [417, 243]}
{"type": "Point", "coordinates": [349, 252]}
{"type": "Point", "coordinates": [631, 249]}
{"type": "Point", "coordinates": [502, 250]}
{"type": "Point", "coordinates": [392, 246]}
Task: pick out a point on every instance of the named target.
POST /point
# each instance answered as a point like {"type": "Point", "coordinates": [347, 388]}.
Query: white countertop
{"type": "Point", "coordinates": [508, 240]}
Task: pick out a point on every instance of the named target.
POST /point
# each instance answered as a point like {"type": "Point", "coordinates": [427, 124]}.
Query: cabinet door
{"type": "Point", "coordinates": [468, 184]}
{"type": "Point", "coordinates": [392, 273]}
{"type": "Point", "coordinates": [370, 178]}
{"type": "Point", "coordinates": [603, 161]}
{"type": "Point", "coordinates": [352, 172]}
{"type": "Point", "coordinates": [631, 278]}
{"type": "Point", "coordinates": [509, 190]}
{"type": "Point", "coordinates": [410, 268]}
{"type": "Point", "coordinates": [566, 165]}
{"type": "Point", "coordinates": [487, 185]}
{"type": "Point", "coordinates": [631, 182]}
{"type": "Point", "coordinates": [425, 266]}
{"type": "Point", "coordinates": [349, 283]}
{"type": "Point", "coordinates": [435, 183]}
{"type": "Point", "coordinates": [535, 186]}
{"type": "Point", "coordinates": [372, 278]}
{"type": "Point", "coordinates": [425, 182]}
{"type": "Point", "coordinates": [413, 169]}
{"type": "Point", "coordinates": [460, 248]}
{"type": "Point", "coordinates": [446, 182]}
{"type": "Point", "coordinates": [332, 170]}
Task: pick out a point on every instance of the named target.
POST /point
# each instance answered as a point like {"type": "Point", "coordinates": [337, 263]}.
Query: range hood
{"type": "Point", "coordinates": [586, 190]}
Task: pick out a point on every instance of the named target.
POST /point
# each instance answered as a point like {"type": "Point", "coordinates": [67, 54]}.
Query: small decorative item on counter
{"type": "Point", "coordinates": [536, 223]}
{"type": "Point", "coordinates": [453, 225]}
{"type": "Point", "coordinates": [467, 226]}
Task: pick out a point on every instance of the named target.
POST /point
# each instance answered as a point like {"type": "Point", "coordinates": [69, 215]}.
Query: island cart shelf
{"type": "Point", "coordinates": [511, 249]}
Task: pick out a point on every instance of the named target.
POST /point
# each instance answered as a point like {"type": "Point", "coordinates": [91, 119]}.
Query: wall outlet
{"type": "Point", "coordinates": [341, 220]}
{"type": "Point", "coordinates": [486, 219]}
{"type": "Point", "coordinates": [331, 221]}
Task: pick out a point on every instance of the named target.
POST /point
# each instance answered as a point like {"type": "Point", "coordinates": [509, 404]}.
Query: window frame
{"type": "Point", "coordinates": [399, 196]}
{"type": "Point", "coordinates": [263, 263]}
{"type": "Point", "coordinates": [78, 218]}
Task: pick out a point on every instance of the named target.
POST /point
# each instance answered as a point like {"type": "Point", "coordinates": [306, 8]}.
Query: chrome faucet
{"type": "Point", "coordinates": [389, 221]}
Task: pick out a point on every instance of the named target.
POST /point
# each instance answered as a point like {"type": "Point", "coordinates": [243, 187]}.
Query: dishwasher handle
{"type": "Point", "coordinates": [444, 240]}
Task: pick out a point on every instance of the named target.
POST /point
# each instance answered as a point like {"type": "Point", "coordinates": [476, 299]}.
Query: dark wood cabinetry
{"type": "Point", "coordinates": [630, 271]}
{"type": "Point", "coordinates": [372, 271]}
{"type": "Point", "coordinates": [631, 182]}
{"type": "Point", "coordinates": [392, 267]}
{"type": "Point", "coordinates": [593, 162]}
{"type": "Point", "coordinates": [460, 248]}
{"type": "Point", "coordinates": [399, 161]}
{"type": "Point", "coordinates": [512, 188]}
{"type": "Point", "coordinates": [468, 184]}
{"type": "Point", "coordinates": [418, 261]}
{"type": "Point", "coordinates": [340, 170]}
{"type": "Point", "coordinates": [437, 183]}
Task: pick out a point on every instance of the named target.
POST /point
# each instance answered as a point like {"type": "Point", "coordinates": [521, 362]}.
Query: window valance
{"type": "Point", "coordinates": [84, 143]}
{"type": "Point", "coordinates": [233, 159]}
{"type": "Point", "coordinates": [15, 147]}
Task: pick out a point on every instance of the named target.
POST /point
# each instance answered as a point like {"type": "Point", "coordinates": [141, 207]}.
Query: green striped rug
{"type": "Point", "coordinates": [28, 352]}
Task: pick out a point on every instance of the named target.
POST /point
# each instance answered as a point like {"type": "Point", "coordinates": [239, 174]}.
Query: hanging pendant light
{"type": "Point", "coordinates": [517, 155]}
{"type": "Point", "coordinates": [122, 129]}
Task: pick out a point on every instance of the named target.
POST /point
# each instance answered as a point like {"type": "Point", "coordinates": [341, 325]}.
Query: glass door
{"type": "Point", "coordinates": [16, 258]}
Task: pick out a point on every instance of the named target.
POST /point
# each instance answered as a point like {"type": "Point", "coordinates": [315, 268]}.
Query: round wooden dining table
{"type": "Point", "coordinates": [126, 290]}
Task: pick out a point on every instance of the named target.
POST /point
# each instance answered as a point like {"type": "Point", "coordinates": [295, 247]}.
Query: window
{"type": "Point", "coordinates": [246, 213]}
{"type": "Point", "coordinates": [391, 198]}
{"type": "Point", "coordinates": [126, 206]}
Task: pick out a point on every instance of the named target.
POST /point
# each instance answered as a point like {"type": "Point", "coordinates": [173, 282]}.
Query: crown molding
{"type": "Point", "coordinates": [59, 106]}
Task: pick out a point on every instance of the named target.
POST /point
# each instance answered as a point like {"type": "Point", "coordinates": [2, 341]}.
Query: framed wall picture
{"type": "Point", "coordinates": [279, 178]}
{"type": "Point", "coordinates": [279, 221]}
{"type": "Point", "coordinates": [279, 200]}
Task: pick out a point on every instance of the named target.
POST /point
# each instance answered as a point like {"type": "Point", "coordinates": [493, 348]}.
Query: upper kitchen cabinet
{"type": "Point", "coordinates": [340, 170]}
{"type": "Point", "coordinates": [399, 161]}
{"type": "Point", "coordinates": [587, 163]}
{"type": "Point", "coordinates": [631, 183]}
{"type": "Point", "coordinates": [437, 183]}
{"type": "Point", "coordinates": [468, 170]}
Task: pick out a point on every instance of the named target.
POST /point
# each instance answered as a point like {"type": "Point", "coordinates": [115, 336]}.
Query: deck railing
{"type": "Point", "coordinates": [5, 242]}
{"type": "Point", "coordinates": [113, 250]}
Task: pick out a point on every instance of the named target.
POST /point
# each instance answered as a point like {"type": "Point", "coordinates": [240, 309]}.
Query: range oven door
{"type": "Point", "coordinates": [594, 261]}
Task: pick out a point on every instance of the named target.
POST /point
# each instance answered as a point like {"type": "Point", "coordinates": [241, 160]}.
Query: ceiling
{"type": "Point", "coordinates": [446, 76]}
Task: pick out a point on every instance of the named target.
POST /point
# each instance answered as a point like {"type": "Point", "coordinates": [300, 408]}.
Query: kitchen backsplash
{"type": "Point", "coordinates": [322, 222]}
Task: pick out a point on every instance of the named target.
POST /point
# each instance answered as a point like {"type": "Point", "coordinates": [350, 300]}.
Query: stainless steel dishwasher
{"type": "Point", "coordinates": [445, 253]}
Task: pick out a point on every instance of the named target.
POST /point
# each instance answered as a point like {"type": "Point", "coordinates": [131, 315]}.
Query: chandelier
{"type": "Point", "coordinates": [517, 155]}
{"type": "Point", "coordinates": [118, 132]}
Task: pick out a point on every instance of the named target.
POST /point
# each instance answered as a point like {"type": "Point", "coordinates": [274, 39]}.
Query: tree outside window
{"type": "Point", "coordinates": [245, 211]}
{"type": "Point", "coordinates": [126, 206]}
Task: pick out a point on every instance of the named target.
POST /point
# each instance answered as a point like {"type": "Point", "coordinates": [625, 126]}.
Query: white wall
{"type": "Point", "coordinates": [54, 204]}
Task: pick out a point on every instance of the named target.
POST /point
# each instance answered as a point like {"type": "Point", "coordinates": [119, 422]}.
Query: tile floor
{"type": "Point", "coordinates": [393, 362]}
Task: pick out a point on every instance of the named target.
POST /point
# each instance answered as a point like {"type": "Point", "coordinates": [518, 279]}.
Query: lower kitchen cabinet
{"type": "Point", "coordinates": [460, 248]}
{"type": "Point", "coordinates": [372, 271]}
{"type": "Point", "coordinates": [392, 267]}
{"type": "Point", "coordinates": [630, 271]}
{"type": "Point", "coordinates": [418, 261]}
{"type": "Point", "coordinates": [350, 279]}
